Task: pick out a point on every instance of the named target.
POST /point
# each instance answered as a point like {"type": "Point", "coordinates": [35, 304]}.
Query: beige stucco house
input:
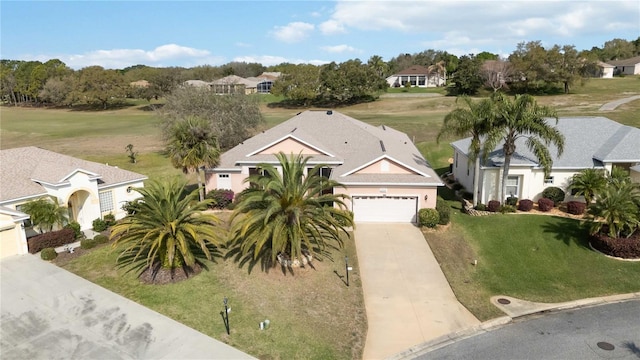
{"type": "Point", "coordinates": [89, 190]}
{"type": "Point", "coordinates": [590, 142]}
{"type": "Point", "coordinates": [383, 172]}
{"type": "Point", "coordinates": [629, 66]}
{"type": "Point", "coordinates": [418, 76]}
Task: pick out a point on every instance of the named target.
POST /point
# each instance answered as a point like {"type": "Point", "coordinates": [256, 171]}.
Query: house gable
{"type": "Point", "coordinates": [290, 145]}
{"type": "Point", "coordinates": [385, 166]}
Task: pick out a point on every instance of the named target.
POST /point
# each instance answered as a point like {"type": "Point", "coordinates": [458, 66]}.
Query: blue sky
{"type": "Point", "coordinates": [116, 34]}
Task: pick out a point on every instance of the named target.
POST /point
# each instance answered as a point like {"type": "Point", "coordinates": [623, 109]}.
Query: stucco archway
{"type": "Point", "coordinates": [78, 205]}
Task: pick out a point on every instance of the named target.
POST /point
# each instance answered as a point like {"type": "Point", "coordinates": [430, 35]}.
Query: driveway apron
{"type": "Point", "coordinates": [50, 313]}
{"type": "Point", "coordinates": [407, 297]}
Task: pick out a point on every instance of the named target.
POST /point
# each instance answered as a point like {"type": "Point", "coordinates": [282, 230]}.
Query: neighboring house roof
{"type": "Point", "coordinates": [626, 62]}
{"type": "Point", "coordinates": [414, 70]}
{"type": "Point", "coordinates": [605, 65]}
{"type": "Point", "coordinates": [339, 140]}
{"type": "Point", "coordinates": [235, 79]}
{"type": "Point", "coordinates": [269, 75]}
{"type": "Point", "coordinates": [24, 169]}
{"type": "Point", "coordinates": [197, 83]}
{"type": "Point", "coordinates": [589, 142]}
{"type": "Point", "coordinates": [14, 214]}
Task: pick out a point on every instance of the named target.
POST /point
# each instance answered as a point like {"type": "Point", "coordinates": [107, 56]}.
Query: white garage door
{"type": "Point", "coordinates": [385, 209]}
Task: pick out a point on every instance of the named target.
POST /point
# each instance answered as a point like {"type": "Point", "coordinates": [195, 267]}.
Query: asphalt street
{"type": "Point", "coordinates": [610, 331]}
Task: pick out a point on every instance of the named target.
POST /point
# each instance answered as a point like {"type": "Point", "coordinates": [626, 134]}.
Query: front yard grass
{"type": "Point", "coordinates": [532, 257]}
{"type": "Point", "coordinates": [313, 314]}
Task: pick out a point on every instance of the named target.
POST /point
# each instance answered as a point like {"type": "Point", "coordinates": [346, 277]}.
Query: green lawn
{"type": "Point", "coordinates": [533, 257]}
{"type": "Point", "coordinates": [313, 314]}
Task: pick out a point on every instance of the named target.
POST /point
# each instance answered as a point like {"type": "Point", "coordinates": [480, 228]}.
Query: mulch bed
{"type": "Point", "coordinates": [626, 248]}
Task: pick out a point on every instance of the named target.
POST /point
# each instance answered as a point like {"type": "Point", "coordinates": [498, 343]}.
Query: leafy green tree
{"type": "Point", "coordinates": [349, 82]}
{"type": "Point", "coordinates": [377, 64]}
{"type": "Point", "coordinates": [45, 213]}
{"type": "Point", "coordinates": [467, 79]}
{"type": "Point", "coordinates": [522, 117]}
{"type": "Point", "coordinates": [616, 210]}
{"type": "Point", "coordinates": [97, 86]}
{"type": "Point", "coordinates": [529, 62]}
{"type": "Point", "coordinates": [232, 118]}
{"type": "Point", "coordinates": [588, 183]}
{"type": "Point", "coordinates": [566, 65]}
{"type": "Point", "coordinates": [57, 91]}
{"type": "Point", "coordinates": [474, 120]}
{"type": "Point", "coordinates": [191, 145]}
{"type": "Point", "coordinates": [300, 83]}
{"type": "Point", "coordinates": [166, 229]}
{"type": "Point", "coordinates": [289, 213]}
{"type": "Point", "coordinates": [617, 49]}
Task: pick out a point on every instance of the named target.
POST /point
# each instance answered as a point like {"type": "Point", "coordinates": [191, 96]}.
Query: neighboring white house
{"type": "Point", "coordinates": [590, 142]}
{"type": "Point", "coordinates": [606, 70]}
{"type": "Point", "coordinates": [627, 66]}
{"type": "Point", "coordinates": [417, 75]}
{"type": "Point", "coordinates": [382, 170]}
{"type": "Point", "coordinates": [89, 190]}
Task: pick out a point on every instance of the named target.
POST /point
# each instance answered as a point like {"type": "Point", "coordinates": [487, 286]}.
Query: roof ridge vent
{"type": "Point", "coordinates": [383, 127]}
{"type": "Point", "coordinates": [329, 112]}
{"type": "Point", "coordinates": [294, 129]}
{"type": "Point", "coordinates": [382, 146]}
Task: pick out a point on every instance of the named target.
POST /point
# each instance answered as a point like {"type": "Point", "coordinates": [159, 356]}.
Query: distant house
{"type": "Point", "coordinates": [590, 142]}
{"type": "Point", "coordinates": [605, 70]}
{"type": "Point", "coordinates": [627, 67]}
{"type": "Point", "coordinates": [382, 170]}
{"type": "Point", "coordinates": [417, 75]}
{"type": "Point", "coordinates": [140, 83]}
{"type": "Point", "coordinates": [89, 190]}
{"type": "Point", "coordinates": [264, 81]}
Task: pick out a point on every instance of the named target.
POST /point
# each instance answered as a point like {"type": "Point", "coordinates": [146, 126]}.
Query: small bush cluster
{"type": "Point", "coordinates": [101, 239]}
{"type": "Point", "coordinates": [51, 239]}
{"type": "Point", "coordinates": [576, 207]}
{"type": "Point", "coordinates": [444, 211]}
{"type": "Point", "coordinates": [545, 204]}
{"type": "Point", "coordinates": [493, 206]}
{"type": "Point", "coordinates": [481, 207]}
{"type": "Point", "coordinates": [110, 219]}
{"type": "Point", "coordinates": [628, 248]}
{"type": "Point", "coordinates": [457, 186]}
{"type": "Point", "coordinates": [88, 243]}
{"type": "Point", "coordinates": [554, 194]}
{"type": "Point", "coordinates": [525, 205]}
{"type": "Point", "coordinates": [48, 254]}
{"type": "Point", "coordinates": [428, 217]}
{"type": "Point", "coordinates": [511, 200]}
{"type": "Point", "coordinates": [99, 225]}
{"type": "Point", "coordinates": [222, 198]}
{"type": "Point", "coordinates": [76, 228]}
{"type": "Point", "coordinates": [507, 209]}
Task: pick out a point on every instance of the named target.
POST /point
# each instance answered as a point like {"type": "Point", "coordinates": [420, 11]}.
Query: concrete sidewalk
{"type": "Point", "coordinates": [407, 297]}
{"type": "Point", "coordinates": [50, 313]}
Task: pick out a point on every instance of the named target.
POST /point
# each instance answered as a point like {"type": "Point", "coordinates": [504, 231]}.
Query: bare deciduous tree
{"type": "Point", "coordinates": [495, 73]}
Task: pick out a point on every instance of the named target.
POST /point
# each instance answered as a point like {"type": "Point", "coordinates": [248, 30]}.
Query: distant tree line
{"type": "Point", "coordinates": [531, 68]}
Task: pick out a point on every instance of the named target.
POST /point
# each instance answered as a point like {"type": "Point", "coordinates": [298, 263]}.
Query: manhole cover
{"type": "Point", "coordinates": [605, 346]}
{"type": "Point", "coordinates": [504, 301]}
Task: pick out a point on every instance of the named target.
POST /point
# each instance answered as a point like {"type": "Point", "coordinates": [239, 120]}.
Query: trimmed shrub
{"type": "Point", "coordinates": [576, 207]}
{"type": "Point", "coordinates": [444, 211]}
{"type": "Point", "coordinates": [110, 219]}
{"type": "Point", "coordinates": [99, 225]}
{"type": "Point", "coordinates": [48, 254]}
{"type": "Point", "coordinates": [101, 239]}
{"type": "Point", "coordinates": [545, 204]}
{"type": "Point", "coordinates": [428, 217]}
{"type": "Point", "coordinates": [222, 198]}
{"type": "Point", "coordinates": [511, 200]}
{"type": "Point", "coordinates": [507, 209]}
{"type": "Point", "coordinates": [554, 194]}
{"type": "Point", "coordinates": [51, 239]}
{"type": "Point", "coordinates": [525, 205]}
{"type": "Point", "coordinates": [481, 207]}
{"type": "Point", "coordinates": [88, 243]}
{"type": "Point", "coordinates": [76, 228]}
{"type": "Point", "coordinates": [628, 248]}
{"type": "Point", "coordinates": [457, 186]}
{"type": "Point", "coordinates": [493, 206]}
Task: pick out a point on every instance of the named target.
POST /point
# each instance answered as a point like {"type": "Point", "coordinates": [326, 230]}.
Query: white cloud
{"type": "Point", "coordinates": [339, 48]}
{"type": "Point", "coordinates": [293, 32]}
{"type": "Point", "coordinates": [331, 27]}
{"type": "Point", "coordinates": [165, 55]}
{"type": "Point", "coordinates": [268, 60]}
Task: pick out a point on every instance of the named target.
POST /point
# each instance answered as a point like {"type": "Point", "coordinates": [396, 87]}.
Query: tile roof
{"type": "Point", "coordinates": [626, 62]}
{"type": "Point", "coordinates": [414, 70]}
{"type": "Point", "coordinates": [589, 141]}
{"type": "Point", "coordinates": [23, 169]}
{"type": "Point", "coordinates": [352, 143]}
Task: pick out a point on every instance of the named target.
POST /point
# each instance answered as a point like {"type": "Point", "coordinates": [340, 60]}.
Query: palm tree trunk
{"type": "Point", "coordinates": [476, 180]}
{"type": "Point", "coordinates": [505, 175]}
{"type": "Point", "coordinates": [200, 187]}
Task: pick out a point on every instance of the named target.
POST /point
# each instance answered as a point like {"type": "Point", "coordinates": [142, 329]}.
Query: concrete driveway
{"type": "Point", "coordinates": [49, 313]}
{"type": "Point", "coordinates": [407, 298]}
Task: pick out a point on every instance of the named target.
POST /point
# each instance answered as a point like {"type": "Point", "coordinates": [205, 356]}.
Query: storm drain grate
{"type": "Point", "coordinates": [605, 346]}
{"type": "Point", "coordinates": [504, 301]}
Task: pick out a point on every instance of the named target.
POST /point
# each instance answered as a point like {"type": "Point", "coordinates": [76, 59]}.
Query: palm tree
{"type": "Point", "coordinates": [378, 65]}
{"type": "Point", "coordinates": [588, 183]}
{"type": "Point", "coordinates": [438, 68]}
{"type": "Point", "coordinates": [166, 229]}
{"type": "Point", "coordinates": [288, 213]}
{"type": "Point", "coordinates": [474, 121]}
{"type": "Point", "coordinates": [522, 117]}
{"type": "Point", "coordinates": [45, 213]}
{"type": "Point", "coordinates": [616, 210]}
{"type": "Point", "coordinates": [191, 145]}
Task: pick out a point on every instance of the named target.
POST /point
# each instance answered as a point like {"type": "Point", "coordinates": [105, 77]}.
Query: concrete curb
{"type": "Point", "coordinates": [522, 309]}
